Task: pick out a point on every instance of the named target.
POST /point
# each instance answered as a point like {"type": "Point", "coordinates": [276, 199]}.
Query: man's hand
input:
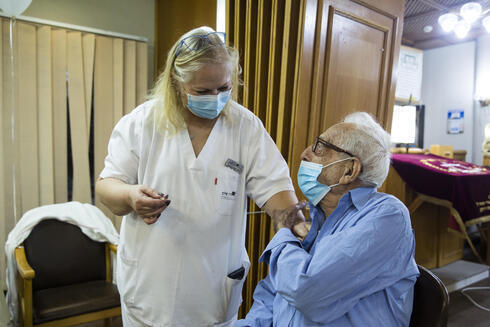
{"type": "Point", "coordinates": [301, 229]}
{"type": "Point", "coordinates": [289, 217]}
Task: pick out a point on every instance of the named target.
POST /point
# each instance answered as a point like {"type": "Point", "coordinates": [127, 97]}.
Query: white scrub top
{"type": "Point", "coordinates": [174, 272]}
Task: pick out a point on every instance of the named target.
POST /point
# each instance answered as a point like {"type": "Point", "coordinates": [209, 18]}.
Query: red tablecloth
{"type": "Point", "coordinates": [465, 185]}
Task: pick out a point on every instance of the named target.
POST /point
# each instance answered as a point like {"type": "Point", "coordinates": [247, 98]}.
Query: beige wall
{"type": "Point", "coordinates": [134, 17]}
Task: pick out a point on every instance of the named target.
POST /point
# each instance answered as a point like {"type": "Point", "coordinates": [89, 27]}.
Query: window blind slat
{"type": "Point", "coordinates": [129, 76]}
{"type": "Point", "coordinates": [141, 72]}
{"type": "Point", "coordinates": [103, 105]}
{"type": "Point", "coordinates": [88, 48]}
{"type": "Point", "coordinates": [45, 103]}
{"type": "Point", "coordinates": [27, 118]}
{"type": "Point", "coordinates": [60, 139]}
{"type": "Point", "coordinates": [78, 119]}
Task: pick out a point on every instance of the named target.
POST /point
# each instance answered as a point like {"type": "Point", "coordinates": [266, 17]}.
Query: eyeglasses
{"type": "Point", "coordinates": [329, 145]}
{"type": "Point", "coordinates": [196, 42]}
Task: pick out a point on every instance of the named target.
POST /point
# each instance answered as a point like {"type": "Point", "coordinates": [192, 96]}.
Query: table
{"type": "Point", "coordinates": [440, 192]}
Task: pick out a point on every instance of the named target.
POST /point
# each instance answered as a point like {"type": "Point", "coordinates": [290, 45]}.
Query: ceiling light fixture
{"type": "Point", "coordinates": [448, 21]}
{"type": "Point", "coordinates": [462, 28]}
{"type": "Point", "coordinates": [470, 11]}
{"type": "Point", "coordinates": [461, 23]}
{"type": "Point", "coordinates": [486, 23]}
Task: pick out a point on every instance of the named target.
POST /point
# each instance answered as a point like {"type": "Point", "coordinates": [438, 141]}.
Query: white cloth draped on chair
{"type": "Point", "coordinates": [89, 218]}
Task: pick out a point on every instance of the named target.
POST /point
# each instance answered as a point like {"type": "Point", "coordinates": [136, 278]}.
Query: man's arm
{"type": "Point", "coordinates": [326, 285]}
{"type": "Point", "coordinates": [261, 313]}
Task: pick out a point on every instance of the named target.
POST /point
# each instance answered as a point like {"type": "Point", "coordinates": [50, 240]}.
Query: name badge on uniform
{"type": "Point", "coordinates": [233, 165]}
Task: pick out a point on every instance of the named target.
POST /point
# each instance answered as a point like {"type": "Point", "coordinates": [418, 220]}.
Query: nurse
{"type": "Point", "coordinates": [180, 168]}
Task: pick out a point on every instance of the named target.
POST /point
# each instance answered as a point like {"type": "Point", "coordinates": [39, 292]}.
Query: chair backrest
{"type": "Point", "coordinates": [61, 254]}
{"type": "Point", "coordinates": [430, 301]}
{"type": "Point", "coordinates": [442, 150]}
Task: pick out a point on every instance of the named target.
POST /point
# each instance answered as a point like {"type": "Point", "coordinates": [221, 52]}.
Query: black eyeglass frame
{"type": "Point", "coordinates": [203, 37]}
{"type": "Point", "coordinates": [330, 146]}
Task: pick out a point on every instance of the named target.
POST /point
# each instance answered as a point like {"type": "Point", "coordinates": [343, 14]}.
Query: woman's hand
{"type": "Point", "coordinates": [147, 203]}
{"type": "Point", "coordinates": [289, 217]}
{"type": "Point", "coordinates": [292, 218]}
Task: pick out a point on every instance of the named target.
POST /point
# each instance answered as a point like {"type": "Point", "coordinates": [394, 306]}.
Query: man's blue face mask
{"type": "Point", "coordinates": [208, 106]}
{"type": "Point", "coordinates": [307, 180]}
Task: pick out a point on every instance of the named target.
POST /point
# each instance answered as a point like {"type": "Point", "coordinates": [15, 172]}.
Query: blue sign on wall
{"type": "Point", "coordinates": [455, 121]}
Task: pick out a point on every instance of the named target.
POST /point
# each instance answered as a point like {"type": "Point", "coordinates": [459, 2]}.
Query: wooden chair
{"type": "Point", "coordinates": [430, 301]}
{"type": "Point", "coordinates": [64, 277]}
{"type": "Point", "coordinates": [442, 150]}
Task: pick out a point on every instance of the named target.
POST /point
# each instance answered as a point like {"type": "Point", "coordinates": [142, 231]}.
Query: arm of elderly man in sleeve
{"type": "Point", "coordinates": [260, 315]}
{"type": "Point", "coordinates": [326, 285]}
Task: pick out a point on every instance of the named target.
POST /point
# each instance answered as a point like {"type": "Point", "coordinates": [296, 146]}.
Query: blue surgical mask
{"type": "Point", "coordinates": [307, 180]}
{"type": "Point", "coordinates": [208, 106]}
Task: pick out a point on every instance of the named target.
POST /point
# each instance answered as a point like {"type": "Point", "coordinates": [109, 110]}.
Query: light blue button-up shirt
{"type": "Point", "coordinates": [355, 268]}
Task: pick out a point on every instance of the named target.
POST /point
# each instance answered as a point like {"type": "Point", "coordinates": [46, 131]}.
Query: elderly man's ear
{"type": "Point", "coordinates": [351, 171]}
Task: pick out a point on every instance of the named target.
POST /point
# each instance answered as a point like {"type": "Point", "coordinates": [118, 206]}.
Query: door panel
{"type": "Point", "coordinates": [350, 66]}
{"type": "Point", "coordinates": [355, 70]}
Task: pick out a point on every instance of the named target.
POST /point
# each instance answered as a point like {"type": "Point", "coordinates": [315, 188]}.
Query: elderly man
{"type": "Point", "coordinates": [355, 266]}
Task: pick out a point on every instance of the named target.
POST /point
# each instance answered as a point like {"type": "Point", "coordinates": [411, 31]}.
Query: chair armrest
{"type": "Point", "coordinates": [23, 266]}
{"type": "Point", "coordinates": [112, 247]}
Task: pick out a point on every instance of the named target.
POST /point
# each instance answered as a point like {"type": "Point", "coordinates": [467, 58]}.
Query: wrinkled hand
{"type": "Point", "coordinates": [292, 217]}
{"type": "Point", "coordinates": [147, 203]}
{"type": "Point", "coordinates": [300, 230]}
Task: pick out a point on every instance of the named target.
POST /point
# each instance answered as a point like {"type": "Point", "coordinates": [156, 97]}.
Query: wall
{"type": "Point", "coordinates": [482, 85]}
{"type": "Point", "coordinates": [174, 18]}
{"type": "Point", "coordinates": [122, 16]}
{"type": "Point", "coordinates": [448, 83]}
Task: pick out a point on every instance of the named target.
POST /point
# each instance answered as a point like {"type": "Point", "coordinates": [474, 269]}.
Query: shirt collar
{"type": "Point", "coordinates": [359, 196]}
{"type": "Point", "coordinates": [316, 212]}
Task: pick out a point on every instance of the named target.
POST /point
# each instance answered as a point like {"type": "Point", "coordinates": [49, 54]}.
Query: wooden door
{"type": "Point", "coordinates": [306, 64]}
{"type": "Point", "coordinates": [173, 19]}
{"type": "Point", "coordinates": [349, 51]}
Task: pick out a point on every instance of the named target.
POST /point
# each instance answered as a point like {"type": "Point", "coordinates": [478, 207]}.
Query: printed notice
{"type": "Point", "coordinates": [409, 83]}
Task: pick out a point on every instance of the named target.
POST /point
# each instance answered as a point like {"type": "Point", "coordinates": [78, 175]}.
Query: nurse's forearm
{"type": "Point", "coordinates": [113, 193]}
{"type": "Point", "coordinates": [280, 201]}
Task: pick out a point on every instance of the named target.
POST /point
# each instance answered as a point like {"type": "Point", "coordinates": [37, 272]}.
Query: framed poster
{"type": "Point", "coordinates": [455, 121]}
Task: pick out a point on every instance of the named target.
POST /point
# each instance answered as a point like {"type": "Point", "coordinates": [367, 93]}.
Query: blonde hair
{"type": "Point", "coordinates": [179, 68]}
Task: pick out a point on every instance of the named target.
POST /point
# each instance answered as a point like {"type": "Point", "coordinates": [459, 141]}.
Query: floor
{"type": "Point", "coordinates": [463, 313]}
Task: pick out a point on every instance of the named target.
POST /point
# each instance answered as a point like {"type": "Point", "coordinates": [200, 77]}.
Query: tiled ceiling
{"type": "Point", "coordinates": [421, 13]}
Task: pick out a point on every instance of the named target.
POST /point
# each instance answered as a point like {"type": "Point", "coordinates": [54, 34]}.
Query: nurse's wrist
{"type": "Point", "coordinates": [128, 197]}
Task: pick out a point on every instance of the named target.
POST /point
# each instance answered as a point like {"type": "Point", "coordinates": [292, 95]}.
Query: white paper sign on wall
{"type": "Point", "coordinates": [409, 82]}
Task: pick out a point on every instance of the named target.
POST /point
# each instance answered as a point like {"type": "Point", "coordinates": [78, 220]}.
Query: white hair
{"type": "Point", "coordinates": [370, 143]}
